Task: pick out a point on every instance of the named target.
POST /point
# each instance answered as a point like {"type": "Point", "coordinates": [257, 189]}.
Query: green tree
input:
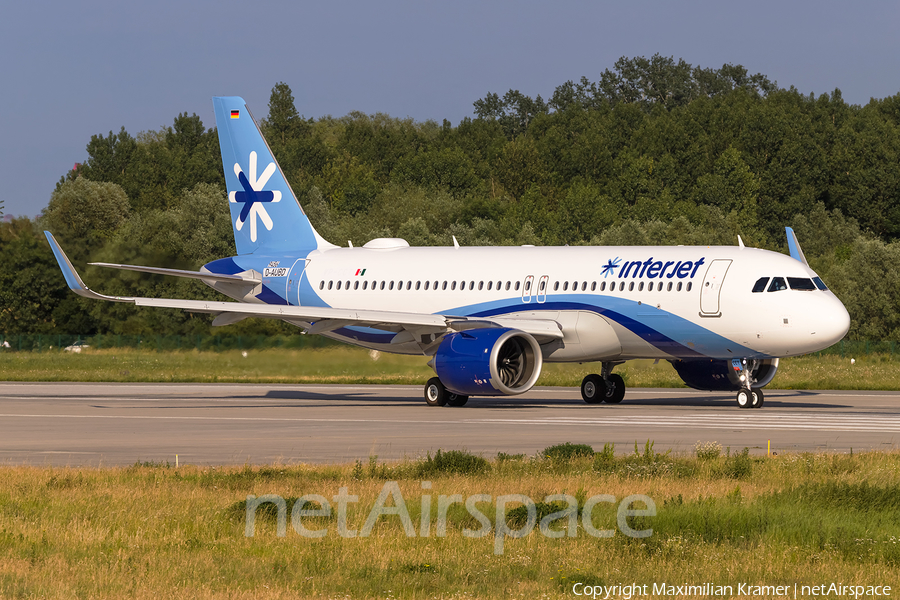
{"type": "Point", "coordinates": [85, 214]}
{"type": "Point", "coordinates": [32, 289]}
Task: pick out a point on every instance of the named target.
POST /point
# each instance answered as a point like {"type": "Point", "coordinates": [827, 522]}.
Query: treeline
{"type": "Point", "coordinates": [656, 151]}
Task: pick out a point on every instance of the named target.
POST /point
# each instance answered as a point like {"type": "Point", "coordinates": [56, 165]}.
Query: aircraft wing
{"type": "Point", "coordinates": [251, 279]}
{"type": "Point", "coordinates": [421, 328]}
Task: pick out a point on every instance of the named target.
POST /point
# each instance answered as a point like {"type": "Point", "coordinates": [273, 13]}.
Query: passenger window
{"type": "Point", "coordinates": [556, 286]}
{"type": "Point", "coordinates": [760, 285]}
{"type": "Point", "coordinates": [322, 285]}
{"type": "Point", "coordinates": [820, 284]}
{"type": "Point", "coordinates": [602, 286]}
{"type": "Point", "coordinates": [490, 285]}
{"type": "Point", "coordinates": [452, 285]}
{"type": "Point", "coordinates": [565, 286]}
{"type": "Point", "coordinates": [444, 286]}
{"type": "Point", "coordinates": [419, 284]}
{"type": "Point", "coordinates": [390, 287]}
{"type": "Point", "coordinates": [542, 286]}
{"type": "Point", "coordinates": [678, 289]}
{"type": "Point", "coordinates": [480, 285]}
{"type": "Point", "coordinates": [409, 285]}
{"type": "Point", "coordinates": [382, 285]}
{"type": "Point", "coordinates": [499, 283]}
{"type": "Point", "coordinates": [355, 285]}
{"type": "Point", "coordinates": [517, 285]}
{"type": "Point", "coordinates": [365, 284]}
{"type": "Point", "coordinates": [669, 287]}
{"type": "Point", "coordinates": [347, 286]}
{"type": "Point", "coordinates": [802, 284]}
{"type": "Point", "coordinates": [689, 285]}
{"type": "Point", "coordinates": [631, 286]}
{"type": "Point", "coordinates": [471, 285]}
{"type": "Point", "coordinates": [621, 286]}
{"type": "Point", "coordinates": [777, 284]}
{"type": "Point", "coordinates": [641, 286]}
{"type": "Point", "coordinates": [427, 283]}
{"type": "Point", "coordinates": [583, 285]}
{"type": "Point", "coordinates": [528, 286]}
{"type": "Point", "coordinates": [339, 285]}
{"type": "Point", "coordinates": [574, 286]}
{"type": "Point", "coordinates": [593, 286]}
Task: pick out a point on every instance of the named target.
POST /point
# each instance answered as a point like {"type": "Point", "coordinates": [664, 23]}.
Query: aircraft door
{"type": "Point", "coordinates": [528, 288]}
{"type": "Point", "coordinates": [542, 288]}
{"type": "Point", "coordinates": [293, 283]}
{"type": "Point", "coordinates": [711, 288]}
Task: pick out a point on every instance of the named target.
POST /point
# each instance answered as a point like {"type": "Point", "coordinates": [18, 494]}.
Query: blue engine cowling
{"type": "Point", "coordinates": [488, 362]}
{"type": "Point", "coordinates": [720, 375]}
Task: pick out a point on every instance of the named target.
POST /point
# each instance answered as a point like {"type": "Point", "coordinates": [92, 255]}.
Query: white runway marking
{"type": "Point", "coordinates": [814, 421]}
{"type": "Point", "coordinates": [819, 421]}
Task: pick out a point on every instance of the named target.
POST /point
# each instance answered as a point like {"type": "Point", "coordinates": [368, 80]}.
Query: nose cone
{"type": "Point", "coordinates": [833, 323]}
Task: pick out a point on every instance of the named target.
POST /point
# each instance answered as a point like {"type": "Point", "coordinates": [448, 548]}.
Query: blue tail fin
{"type": "Point", "coordinates": [265, 214]}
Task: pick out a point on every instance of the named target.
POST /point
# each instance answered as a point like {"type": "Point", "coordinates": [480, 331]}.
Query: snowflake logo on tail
{"type": "Point", "coordinates": [254, 197]}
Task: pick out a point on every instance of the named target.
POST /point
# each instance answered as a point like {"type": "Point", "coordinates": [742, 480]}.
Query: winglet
{"type": "Point", "coordinates": [72, 278]}
{"type": "Point", "coordinates": [794, 246]}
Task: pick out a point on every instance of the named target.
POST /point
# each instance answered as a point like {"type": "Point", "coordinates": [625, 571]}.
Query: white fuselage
{"type": "Point", "coordinates": [611, 302]}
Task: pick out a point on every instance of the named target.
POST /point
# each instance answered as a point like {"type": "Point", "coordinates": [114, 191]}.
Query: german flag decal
{"type": "Point", "coordinates": [235, 114]}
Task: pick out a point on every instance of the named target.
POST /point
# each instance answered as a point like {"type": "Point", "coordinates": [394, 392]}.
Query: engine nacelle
{"type": "Point", "coordinates": [720, 376]}
{"type": "Point", "coordinates": [488, 362]}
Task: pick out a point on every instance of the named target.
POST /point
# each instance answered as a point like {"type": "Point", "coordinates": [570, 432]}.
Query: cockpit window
{"type": "Point", "coordinates": [760, 285]}
{"type": "Point", "coordinates": [801, 283]}
{"type": "Point", "coordinates": [820, 284]}
{"type": "Point", "coordinates": [777, 284]}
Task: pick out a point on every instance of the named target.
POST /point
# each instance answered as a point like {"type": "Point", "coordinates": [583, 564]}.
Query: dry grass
{"type": "Point", "coordinates": [157, 532]}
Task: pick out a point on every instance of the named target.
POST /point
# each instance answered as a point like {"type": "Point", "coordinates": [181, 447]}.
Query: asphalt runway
{"type": "Point", "coordinates": [95, 424]}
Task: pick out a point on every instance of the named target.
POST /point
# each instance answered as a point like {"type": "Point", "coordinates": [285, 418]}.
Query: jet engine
{"type": "Point", "coordinates": [721, 376]}
{"type": "Point", "coordinates": [488, 362]}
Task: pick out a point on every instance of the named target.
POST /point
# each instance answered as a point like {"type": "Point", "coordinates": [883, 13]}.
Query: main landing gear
{"type": "Point", "coordinates": [438, 395]}
{"type": "Point", "coordinates": [607, 387]}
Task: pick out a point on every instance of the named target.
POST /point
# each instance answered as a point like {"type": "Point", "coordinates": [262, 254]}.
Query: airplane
{"type": "Point", "coordinates": [489, 317]}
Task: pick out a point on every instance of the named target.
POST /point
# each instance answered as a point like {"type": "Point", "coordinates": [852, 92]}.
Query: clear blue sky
{"type": "Point", "coordinates": [73, 69]}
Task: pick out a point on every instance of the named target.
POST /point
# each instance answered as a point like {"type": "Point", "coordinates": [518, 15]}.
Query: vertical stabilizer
{"type": "Point", "coordinates": [265, 214]}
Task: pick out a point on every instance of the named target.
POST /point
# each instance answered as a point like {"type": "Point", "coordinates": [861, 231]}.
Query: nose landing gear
{"type": "Point", "coordinates": [747, 397]}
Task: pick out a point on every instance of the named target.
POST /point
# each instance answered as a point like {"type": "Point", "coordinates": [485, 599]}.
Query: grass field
{"type": "Point", "coordinates": [342, 364]}
{"type": "Point", "coordinates": [724, 518]}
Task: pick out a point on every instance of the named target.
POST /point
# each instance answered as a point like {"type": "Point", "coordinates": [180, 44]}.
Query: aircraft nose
{"type": "Point", "coordinates": [833, 323]}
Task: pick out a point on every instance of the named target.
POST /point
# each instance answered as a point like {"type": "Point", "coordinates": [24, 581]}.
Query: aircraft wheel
{"type": "Point", "coordinates": [593, 389]}
{"type": "Point", "coordinates": [435, 392]}
{"type": "Point", "coordinates": [456, 399]}
{"type": "Point", "coordinates": [758, 398]}
{"type": "Point", "coordinates": [615, 389]}
{"type": "Point", "coordinates": [744, 398]}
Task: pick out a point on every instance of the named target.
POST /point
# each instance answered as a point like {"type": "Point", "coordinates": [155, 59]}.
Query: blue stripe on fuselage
{"type": "Point", "coordinates": [663, 336]}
